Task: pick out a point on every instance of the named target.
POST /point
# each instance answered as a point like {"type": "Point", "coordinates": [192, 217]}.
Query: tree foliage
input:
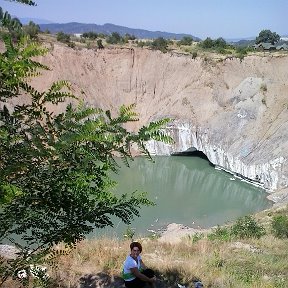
{"type": "Point", "coordinates": [266, 36]}
{"type": "Point", "coordinates": [55, 168]}
{"type": "Point", "coordinates": [208, 43]}
{"type": "Point", "coordinates": [58, 165]}
{"type": "Point", "coordinates": [280, 226]}
{"type": "Point", "coordinates": [27, 2]}
{"type": "Point", "coordinates": [63, 37]}
{"type": "Point", "coordinates": [31, 29]}
{"type": "Point", "coordinates": [128, 36]}
{"type": "Point", "coordinates": [114, 38]}
{"type": "Point", "coordinates": [186, 40]}
{"type": "Point", "coordinates": [100, 44]}
{"type": "Point", "coordinates": [11, 24]}
{"type": "Point", "coordinates": [160, 44]}
{"type": "Point", "coordinates": [90, 35]}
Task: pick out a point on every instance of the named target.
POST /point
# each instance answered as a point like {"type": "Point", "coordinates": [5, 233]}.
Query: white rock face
{"type": "Point", "coordinates": [187, 137]}
{"type": "Point", "coordinates": [234, 111]}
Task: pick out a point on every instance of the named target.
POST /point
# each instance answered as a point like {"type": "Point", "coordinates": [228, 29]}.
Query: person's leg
{"type": "Point", "coordinates": [149, 273]}
{"type": "Point", "coordinates": [136, 283]}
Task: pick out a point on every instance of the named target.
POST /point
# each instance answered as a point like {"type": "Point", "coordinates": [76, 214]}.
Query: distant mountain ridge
{"type": "Point", "coordinates": [25, 21]}
{"type": "Point", "coordinates": [75, 28]}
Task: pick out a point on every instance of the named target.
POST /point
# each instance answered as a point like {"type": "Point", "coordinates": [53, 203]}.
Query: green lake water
{"type": "Point", "coordinates": [186, 190]}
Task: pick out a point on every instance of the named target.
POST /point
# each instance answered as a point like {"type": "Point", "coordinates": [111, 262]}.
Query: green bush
{"type": "Point", "coordinates": [141, 44]}
{"type": "Point", "coordinates": [196, 237]}
{"type": "Point", "coordinates": [90, 35]}
{"type": "Point", "coordinates": [280, 226]}
{"type": "Point", "coordinates": [71, 44]}
{"type": "Point", "coordinates": [129, 233]}
{"type": "Point", "coordinates": [160, 44]}
{"type": "Point", "coordinates": [220, 233]}
{"type": "Point", "coordinates": [208, 43]}
{"type": "Point", "coordinates": [219, 45]}
{"type": "Point", "coordinates": [186, 40]}
{"type": "Point", "coordinates": [62, 37]}
{"type": "Point", "coordinates": [241, 50]}
{"type": "Point", "coordinates": [32, 30]}
{"type": "Point", "coordinates": [115, 38]}
{"type": "Point", "coordinates": [129, 37]}
{"type": "Point", "coordinates": [194, 55]}
{"type": "Point", "coordinates": [221, 50]}
{"type": "Point", "coordinates": [247, 227]}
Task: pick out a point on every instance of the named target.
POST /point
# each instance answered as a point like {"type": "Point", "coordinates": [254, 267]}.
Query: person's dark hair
{"type": "Point", "coordinates": [136, 244]}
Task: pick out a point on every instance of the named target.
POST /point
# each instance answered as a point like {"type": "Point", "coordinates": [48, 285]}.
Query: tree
{"type": "Point", "coordinates": [12, 25]}
{"type": "Point", "coordinates": [91, 35]}
{"type": "Point", "coordinates": [54, 174]}
{"type": "Point", "coordinates": [160, 44]}
{"type": "Point", "coordinates": [55, 168]}
{"type": "Point", "coordinates": [266, 36]}
{"type": "Point", "coordinates": [100, 44]}
{"type": "Point", "coordinates": [114, 38]}
{"type": "Point", "coordinates": [31, 29]}
{"type": "Point", "coordinates": [220, 43]}
{"type": "Point", "coordinates": [207, 43]}
{"type": "Point", "coordinates": [27, 2]}
{"type": "Point", "coordinates": [63, 37]}
{"type": "Point", "coordinates": [186, 40]}
{"type": "Point", "coordinates": [129, 37]}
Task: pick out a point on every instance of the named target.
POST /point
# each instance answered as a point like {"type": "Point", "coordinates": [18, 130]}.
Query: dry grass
{"type": "Point", "coordinates": [215, 263]}
{"type": "Point", "coordinates": [236, 263]}
{"type": "Point", "coordinates": [256, 263]}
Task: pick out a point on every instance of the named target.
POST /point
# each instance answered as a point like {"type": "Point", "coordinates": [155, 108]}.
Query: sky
{"type": "Point", "coordinates": [230, 19]}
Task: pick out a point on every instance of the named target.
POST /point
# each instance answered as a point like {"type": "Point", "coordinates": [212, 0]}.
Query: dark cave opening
{"type": "Point", "coordinates": [193, 152]}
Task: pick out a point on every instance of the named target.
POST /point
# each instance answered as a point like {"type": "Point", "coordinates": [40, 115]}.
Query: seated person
{"type": "Point", "coordinates": [135, 273]}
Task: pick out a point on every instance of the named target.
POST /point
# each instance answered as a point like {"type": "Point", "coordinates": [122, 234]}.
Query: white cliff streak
{"type": "Point", "coordinates": [186, 136]}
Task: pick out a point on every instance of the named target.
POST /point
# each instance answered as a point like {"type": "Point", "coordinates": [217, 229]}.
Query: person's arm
{"type": "Point", "coordinates": [141, 276]}
{"type": "Point", "coordinates": [142, 264]}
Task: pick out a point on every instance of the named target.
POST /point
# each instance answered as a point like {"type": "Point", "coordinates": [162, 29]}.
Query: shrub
{"type": "Point", "coordinates": [32, 30]}
{"type": "Point", "coordinates": [129, 233]}
{"type": "Point", "coordinates": [207, 43]}
{"type": "Point", "coordinates": [280, 226]}
{"type": "Point", "coordinates": [62, 37]}
{"type": "Point", "coordinates": [186, 40]}
{"type": "Point", "coordinates": [221, 50]}
{"type": "Point", "coordinates": [194, 55]}
{"type": "Point", "coordinates": [241, 50]}
{"type": "Point", "coordinates": [196, 237]}
{"type": "Point", "coordinates": [115, 38]}
{"type": "Point", "coordinates": [220, 233]}
{"type": "Point", "coordinates": [71, 44]}
{"type": "Point", "coordinates": [219, 45]}
{"type": "Point", "coordinates": [91, 35]}
{"type": "Point", "coordinates": [160, 44]}
{"type": "Point", "coordinates": [140, 44]}
{"type": "Point", "coordinates": [129, 37]}
{"type": "Point", "coordinates": [247, 227]}
{"type": "Point", "coordinates": [100, 44]}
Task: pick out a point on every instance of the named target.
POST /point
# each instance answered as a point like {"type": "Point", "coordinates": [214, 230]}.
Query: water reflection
{"type": "Point", "coordinates": [187, 190]}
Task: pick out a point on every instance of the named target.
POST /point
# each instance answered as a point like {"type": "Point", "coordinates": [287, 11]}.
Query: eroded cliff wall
{"type": "Point", "coordinates": [234, 111]}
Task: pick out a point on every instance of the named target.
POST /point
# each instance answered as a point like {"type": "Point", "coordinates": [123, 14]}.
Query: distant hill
{"type": "Point", "coordinates": [243, 43]}
{"type": "Point", "coordinates": [75, 28]}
